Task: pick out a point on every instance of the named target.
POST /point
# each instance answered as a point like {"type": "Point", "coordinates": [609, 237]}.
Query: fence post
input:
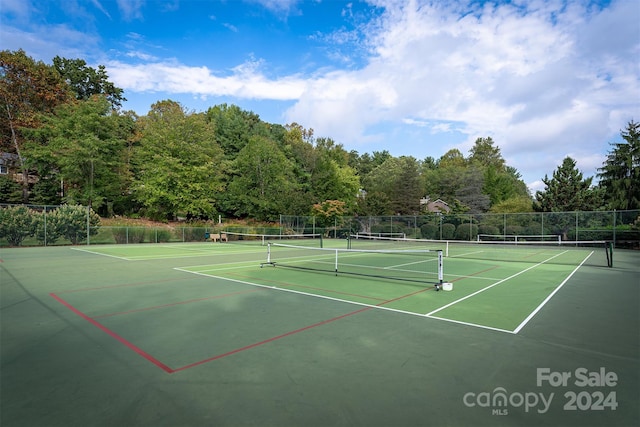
{"type": "Point", "coordinates": [88, 224]}
{"type": "Point", "coordinates": [614, 227]}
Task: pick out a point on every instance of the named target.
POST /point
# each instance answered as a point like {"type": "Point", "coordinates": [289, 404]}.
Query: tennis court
{"type": "Point", "coordinates": [328, 332]}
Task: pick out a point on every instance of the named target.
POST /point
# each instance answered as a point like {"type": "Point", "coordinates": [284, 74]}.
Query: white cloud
{"type": "Point", "coordinates": [131, 9]}
{"type": "Point", "coordinates": [541, 77]}
{"type": "Point", "coordinates": [277, 6]}
{"type": "Point", "coordinates": [526, 75]}
{"type": "Point", "coordinates": [175, 78]}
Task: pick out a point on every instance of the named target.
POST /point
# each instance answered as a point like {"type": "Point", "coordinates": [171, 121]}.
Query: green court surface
{"type": "Point", "coordinates": [210, 334]}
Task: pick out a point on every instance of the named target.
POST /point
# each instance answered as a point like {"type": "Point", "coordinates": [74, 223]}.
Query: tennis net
{"type": "Point", "coordinates": [314, 240]}
{"type": "Point", "coordinates": [594, 253]}
{"type": "Point", "coordinates": [519, 238]}
{"type": "Point", "coordinates": [413, 265]}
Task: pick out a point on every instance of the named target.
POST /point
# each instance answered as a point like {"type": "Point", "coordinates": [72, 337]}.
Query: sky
{"type": "Point", "coordinates": [545, 79]}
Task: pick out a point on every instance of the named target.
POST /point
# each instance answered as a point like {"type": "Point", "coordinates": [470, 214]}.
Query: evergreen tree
{"type": "Point", "coordinates": [566, 191]}
{"type": "Point", "coordinates": [620, 174]}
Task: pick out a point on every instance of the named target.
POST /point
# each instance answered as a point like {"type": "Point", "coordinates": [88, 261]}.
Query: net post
{"type": "Point", "coordinates": [268, 262]}
{"type": "Point", "coordinates": [336, 265]}
{"type": "Point", "coordinates": [269, 252]}
{"type": "Point", "coordinates": [440, 268]}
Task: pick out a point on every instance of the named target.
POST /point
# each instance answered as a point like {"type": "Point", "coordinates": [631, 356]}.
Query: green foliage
{"type": "Point", "coordinates": [429, 231]}
{"type": "Point", "coordinates": [67, 221]}
{"type": "Point", "coordinates": [179, 167]}
{"type": "Point", "coordinates": [86, 81]}
{"type": "Point", "coordinates": [399, 180]}
{"type": "Point", "coordinates": [63, 124]}
{"type": "Point", "coordinates": [28, 89]}
{"type": "Point", "coordinates": [327, 211]}
{"type": "Point", "coordinates": [491, 230]}
{"type": "Point", "coordinates": [466, 231]}
{"type": "Point", "coordinates": [263, 183]}
{"type": "Point", "coordinates": [233, 127]}
{"type": "Point", "coordinates": [566, 191]}
{"type": "Point", "coordinates": [513, 205]}
{"type": "Point", "coordinates": [16, 224]}
{"type": "Point", "coordinates": [10, 191]}
{"type": "Point", "coordinates": [73, 222]}
{"type": "Point", "coordinates": [80, 146]}
{"type": "Point", "coordinates": [448, 231]}
{"type": "Point", "coordinates": [48, 226]}
{"type": "Point", "coordinates": [620, 174]}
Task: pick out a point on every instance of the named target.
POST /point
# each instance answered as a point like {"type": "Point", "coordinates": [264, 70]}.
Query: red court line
{"type": "Point", "coordinates": [405, 296]}
{"type": "Point", "coordinates": [114, 335]}
{"type": "Point", "coordinates": [169, 370]}
{"type": "Point", "coordinates": [286, 334]}
{"type": "Point", "coordinates": [476, 273]}
{"type": "Point", "coordinates": [178, 303]}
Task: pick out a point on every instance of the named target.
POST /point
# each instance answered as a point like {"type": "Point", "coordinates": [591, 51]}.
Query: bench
{"type": "Point", "coordinates": [215, 237]}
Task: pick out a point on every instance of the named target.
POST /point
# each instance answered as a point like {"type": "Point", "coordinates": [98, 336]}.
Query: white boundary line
{"type": "Point", "coordinates": [546, 300]}
{"type": "Point", "coordinates": [491, 286]}
{"type": "Point", "coordinates": [275, 288]}
{"type": "Point", "coordinates": [193, 254]}
{"type": "Point", "coordinates": [427, 315]}
{"type": "Point", "coordinates": [100, 253]}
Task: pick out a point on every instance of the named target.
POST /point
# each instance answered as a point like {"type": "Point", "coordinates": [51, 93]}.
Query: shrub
{"type": "Point", "coordinates": [491, 230]}
{"type": "Point", "coordinates": [429, 231]}
{"type": "Point", "coordinates": [16, 223]}
{"type": "Point", "coordinates": [47, 226]}
{"type": "Point", "coordinates": [73, 222]}
{"type": "Point", "coordinates": [448, 231]}
{"type": "Point", "coordinates": [466, 232]}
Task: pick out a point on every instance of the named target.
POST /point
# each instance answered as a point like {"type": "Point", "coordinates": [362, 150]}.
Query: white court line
{"type": "Point", "coordinates": [100, 253]}
{"type": "Point", "coordinates": [491, 286]}
{"type": "Point", "coordinates": [190, 252]}
{"type": "Point", "coordinates": [429, 315]}
{"type": "Point", "coordinates": [275, 288]}
{"type": "Point", "coordinates": [546, 300]}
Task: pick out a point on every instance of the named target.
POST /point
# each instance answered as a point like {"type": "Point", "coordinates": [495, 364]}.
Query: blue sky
{"type": "Point", "coordinates": [545, 79]}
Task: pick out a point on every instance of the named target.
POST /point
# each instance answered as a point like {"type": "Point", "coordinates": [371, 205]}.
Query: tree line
{"type": "Point", "coordinates": [65, 133]}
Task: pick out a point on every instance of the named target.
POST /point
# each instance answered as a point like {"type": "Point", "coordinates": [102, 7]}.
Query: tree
{"type": "Point", "coordinates": [505, 184]}
{"type": "Point", "coordinates": [328, 212]}
{"type": "Point", "coordinates": [470, 193]}
{"type": "Point", "coordinates": [233, 127]}
{"type": "Point", "coordinates": [10, 191]}
{"type": "Point", "coordinates": [28, 89]}
{"type": "Point", "coordinates": [178, 165]}
{"type": "Point", "coordinates": [321, 168]}
{"type": "Point", "coordinates": [400, 181]}
{"type": "Point", "coordinates": [620, 174]}
{"type": "Point", "coordinates": [484, 153]}
{"type": "Point", "coordinates": [80, 145]}
{"type": "Point", "coordinates": [263, 185]}
{"type": "Point", "coordinates": [445, 178]}
{"type": "Point", "coordinates": [86, 81]}
{"type": "Point", "coordinates": [331, 176]}
{"type": "Point", "coordinates": [566, 190]}
{"type": "Point", "coordinates": [513, 205]}
{"type": "Point", "coordinates": [501, 182]}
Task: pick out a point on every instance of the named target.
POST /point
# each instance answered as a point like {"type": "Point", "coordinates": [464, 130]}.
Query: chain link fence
{"type": "Point", "coordinates": [38, 225]}
{"type": "Point", "coordinates": [620, 227]}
